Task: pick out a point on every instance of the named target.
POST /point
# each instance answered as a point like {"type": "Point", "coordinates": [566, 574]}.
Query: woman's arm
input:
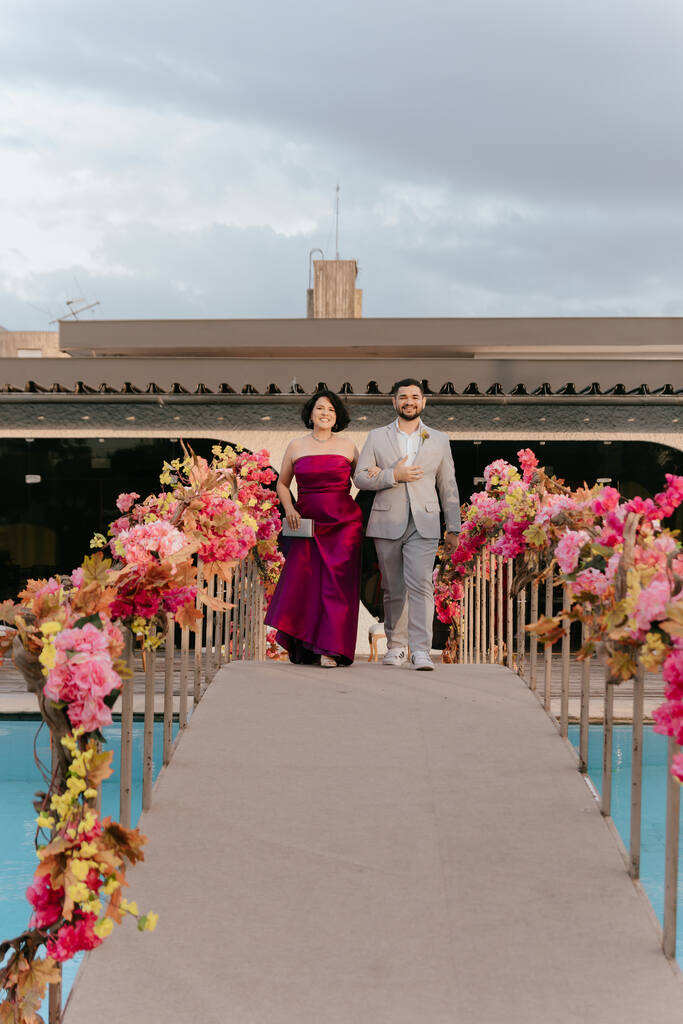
{"type": "Point", "coordinates": [283, 492]}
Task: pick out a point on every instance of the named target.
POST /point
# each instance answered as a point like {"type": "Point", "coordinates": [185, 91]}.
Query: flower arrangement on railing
{"type": "Point", "coordinates": [66, 639]}
{"type": "Point", "coordinates": [623, 568]}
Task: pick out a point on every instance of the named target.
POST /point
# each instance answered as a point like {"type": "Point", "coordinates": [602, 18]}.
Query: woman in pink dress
{"type": "Point", "coordinates": [315, 605]}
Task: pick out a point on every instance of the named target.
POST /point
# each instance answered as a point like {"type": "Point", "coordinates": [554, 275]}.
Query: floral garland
{"type": "Point", "coordinates": [623, 568]}
{"type": "Point", "coordinates": [66, 639]}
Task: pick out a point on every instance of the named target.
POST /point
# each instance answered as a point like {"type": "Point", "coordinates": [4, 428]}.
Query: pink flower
{"type": "Point", "coordinates": [651, 603]}
{"type": "Point", "coordinates": [74, 937]}
{"type": "Point", "coordinates": [677, 766]}
{"type": "Point", "coordinates": [528, 462]}
{"type": "Point", "coordinates": [124, 502]}
{"type": "Point", "coordinates": [77, 577]}
{"type": "Point", "coordinates": [668, 719]}
{"type": "Point", "coordinates": [147, 604]}
{"type": "Point", "coordinates": [568, 550]}
{"type": "Point", "coordinates": [606, 500]}
{"type": "Point", "coordinates": [46, 901]}
{"type": "Point", "coordinates": [590, 581]}
{"type": "Point", "coordinates": [89, 712]}
{"type": "Point", "coordinates": [672, 671]}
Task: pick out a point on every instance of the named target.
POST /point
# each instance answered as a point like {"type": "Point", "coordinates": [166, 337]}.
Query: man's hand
{"type": "Point", "coordinates": [406, 474]}
{"type": "Point", "coordinates": [450, 542]}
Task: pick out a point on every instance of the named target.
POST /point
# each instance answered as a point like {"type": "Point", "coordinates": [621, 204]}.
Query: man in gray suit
{"type": "Point", "coordinates": [411, 469]}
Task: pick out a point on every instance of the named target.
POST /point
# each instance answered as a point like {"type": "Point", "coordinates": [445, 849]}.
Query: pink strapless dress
{"type": "Point", "coordinates": [315, 605]}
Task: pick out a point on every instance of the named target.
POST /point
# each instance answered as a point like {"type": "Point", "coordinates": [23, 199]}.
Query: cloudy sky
{"type": "Point", "coordinates": [495, 157]}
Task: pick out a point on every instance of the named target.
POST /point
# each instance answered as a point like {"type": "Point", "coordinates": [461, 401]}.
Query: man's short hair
{"type": "Point", "coordinates": [407, 383]}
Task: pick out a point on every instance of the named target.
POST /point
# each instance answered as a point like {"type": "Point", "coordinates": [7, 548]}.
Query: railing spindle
{"type": "Point", "coordinates": [168, 689]}
{"type": "Point", "coordinates": [566, 640]}
{"type": "Point", "coordinates": [184, 673]}
{"type": "Point", "coordinates": [637, 770]}
{"type": "Point", "coordinates": [548, 648]}
{"type": "Point", "coordinates": [148, 743]}
{"type": "Point", "coordinates": [607, 746]}
{"type": "Point", "coordinates": [521, 636]}
{"type": "Point", "coordinates": [509, 613]}
{"type": "Point", "coordinates": [470, 621]}
{"type": "Point", "coordinates": [499, 608]}
{"type": "Point", "coordinates": [492, 607]}
{"type": "Point", "coordinates": [533, 637]}
{"type": "Point", "coordinates": [127, 691]}
{"type": "Point", "coordinates": [584, 712]}
{"type": "Point", "coordinates": [673, 813]}
{"type": "Point", "coordinates": [477, 626]}
{"type": "Point", "coordinates": [198, 637]}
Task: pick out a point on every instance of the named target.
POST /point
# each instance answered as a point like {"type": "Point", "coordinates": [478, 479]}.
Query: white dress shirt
{"type": "Point", "coordinates": [408, 444]}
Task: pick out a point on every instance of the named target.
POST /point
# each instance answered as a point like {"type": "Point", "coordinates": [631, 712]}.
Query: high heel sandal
{"type": "Point", "coordinates": [327, 662]}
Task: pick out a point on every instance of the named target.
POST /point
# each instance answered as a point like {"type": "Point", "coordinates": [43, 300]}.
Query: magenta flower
{"type": "Point", "coordinates": [46, 902]}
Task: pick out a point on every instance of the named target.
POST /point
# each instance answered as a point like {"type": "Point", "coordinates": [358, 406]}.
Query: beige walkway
{"type": "Point", "coordinates": [378, 846]}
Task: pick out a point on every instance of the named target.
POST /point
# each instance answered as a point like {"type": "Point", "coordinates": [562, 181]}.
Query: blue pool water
{"type": "Point", "coordinates": [19, 780]}
{"type": "Point", "coordinates": [653, 820]}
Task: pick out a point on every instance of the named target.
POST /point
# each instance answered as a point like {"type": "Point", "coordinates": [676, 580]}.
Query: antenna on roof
{"type": "Point", "coordinates": [74, 309]}
{"type": "Point", "coordinates": [336, 233]}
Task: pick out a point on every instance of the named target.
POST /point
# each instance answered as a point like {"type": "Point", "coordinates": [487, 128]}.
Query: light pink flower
{"type": "Point", "coordinates": [568, 550]}
{"type": "Point", "coordinates": [651, 603]}
{"type": "Point", "coordinates": [124, 502]}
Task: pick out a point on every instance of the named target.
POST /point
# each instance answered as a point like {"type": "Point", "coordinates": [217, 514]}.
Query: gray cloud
{"type": "Point", "coordinates": [495, 157]}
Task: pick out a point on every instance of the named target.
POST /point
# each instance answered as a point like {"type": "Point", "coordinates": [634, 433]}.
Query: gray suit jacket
{"type": "Point", "coordinates": [394, 501]}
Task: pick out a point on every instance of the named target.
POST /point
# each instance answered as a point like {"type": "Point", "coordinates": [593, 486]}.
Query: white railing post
{"type": "Point", "coordinates": [148, 726]}
{"type": "Point", "coordinates": [673, 811]}
{"type": "Point", "coordinates": [533, 637]}
{"type": "Point", "coordinates": [168, 688]}
{"type": "Point", "coordinates": [127, 691]}
{"type": "Point", "coordinates": [566, 641]}
{"type": "Point", "coordinates": [607, 746]}
{"type": "Point", "coordinates": [548, 648]}
{"type": "Point", "coordinates": [637, 770]}
{"type": "Point", "coordinates": [509, 616]}
{"type": "Point", "coordinates": [584, 713]}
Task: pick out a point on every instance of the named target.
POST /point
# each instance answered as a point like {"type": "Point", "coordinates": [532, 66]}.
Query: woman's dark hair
{"type": "Point", "coordinates": [339, 407]}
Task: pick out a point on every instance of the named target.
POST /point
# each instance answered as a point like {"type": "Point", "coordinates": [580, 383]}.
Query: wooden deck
{"type": "Point", "coordinates": [378, 846]}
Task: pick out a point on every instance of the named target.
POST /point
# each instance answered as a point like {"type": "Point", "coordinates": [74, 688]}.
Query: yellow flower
{"type": "Point", "coordinates": [110, 886]}
{"type": "Point", "coordinates": [88, 849]}
{"type": "Point", "coordinates": [131, 908]}
{"type": "Point", "coordinates": [76, 785]}
{"type": "Point", "coordinates": [48, 656]}
{"type": "Point", "coordinates": [80, 869]}
{"type": "Point", "coordinates": [50, 627]}
{"type": "Point", "coordinates": [104, 928]}
{"type": "Point", "coordinates": [148, 922]}
{"type": "Point", "coordinates": [79, 892]}
{"type": "Point", "coordinates": [45, 821]}
{"type": "Point", "coordinates": [98, 541]}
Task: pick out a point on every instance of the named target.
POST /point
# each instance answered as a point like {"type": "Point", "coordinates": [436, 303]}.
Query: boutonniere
{"type": "Point", "coordinates": [424, 434]}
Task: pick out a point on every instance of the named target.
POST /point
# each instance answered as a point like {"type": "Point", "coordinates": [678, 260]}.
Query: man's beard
{"type": "Point", "coordinates": [409, 416]}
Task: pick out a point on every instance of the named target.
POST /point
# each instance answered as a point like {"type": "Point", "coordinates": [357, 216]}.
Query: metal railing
{"type": "Point", "coordinates": [231, 630]}
{"type": "Point", "coordinates": [488, 612]}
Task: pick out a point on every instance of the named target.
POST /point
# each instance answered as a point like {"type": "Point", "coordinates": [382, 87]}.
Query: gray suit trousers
{"type": "Point", "coordinates": [406, 565]}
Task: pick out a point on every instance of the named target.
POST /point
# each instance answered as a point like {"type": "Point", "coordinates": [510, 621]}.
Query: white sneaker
{"type": "Point", "coordinates": [396, 656]}
{"type": "Point", "coordinates": [422, 662]}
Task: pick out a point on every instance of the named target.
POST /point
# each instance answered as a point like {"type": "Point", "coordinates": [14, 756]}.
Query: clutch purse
{"type": "Point", "coordinates": [304, 529]}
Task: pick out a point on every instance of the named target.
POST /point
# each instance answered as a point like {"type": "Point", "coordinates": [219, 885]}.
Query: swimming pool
{"type": "Point", "coordinates": [653, 806]}
{"type": "Point", "coordinates": [19, 780]}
